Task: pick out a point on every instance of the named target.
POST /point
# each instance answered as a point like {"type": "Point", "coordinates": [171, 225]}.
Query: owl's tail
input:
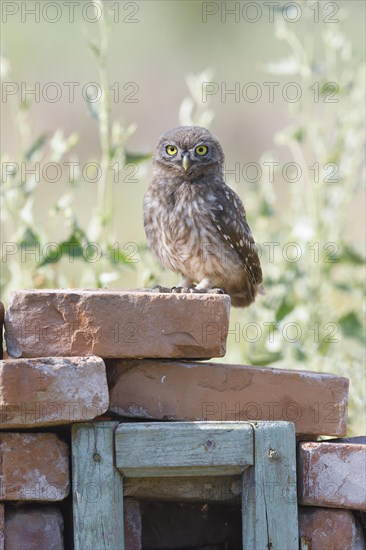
{"type": "Point", "coordinates": [246, 296]}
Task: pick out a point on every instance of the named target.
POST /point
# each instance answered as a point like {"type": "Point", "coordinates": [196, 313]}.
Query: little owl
{"type": "Point", "coordinates": [195, 224]}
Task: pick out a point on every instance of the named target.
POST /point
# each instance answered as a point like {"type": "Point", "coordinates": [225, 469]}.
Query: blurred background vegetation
{"type": "Point", "coordinates": [312, 316]}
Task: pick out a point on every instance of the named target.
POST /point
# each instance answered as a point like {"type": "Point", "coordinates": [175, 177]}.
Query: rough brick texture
{"type": "Point", "coordinates": [316, 403]}
{"type": "Point", "coordinates": [132, 524]}
{"type": "Point", "coordinates": [48, 391]}
{"type": "Point", "coordinates": [2, 312]}
{"type": "Point", "coordinates": [325, 529]}
{"type": "Point", "coordinates": [33, 467]}
{"type": "Point", "coordinates": [116, 324]}
{"type": "Point", "coordinates": [2, 535]}
{"type": "Point", "coordinates": [332, 475]}
{"type": "Point", "coordinates": [34, 529]}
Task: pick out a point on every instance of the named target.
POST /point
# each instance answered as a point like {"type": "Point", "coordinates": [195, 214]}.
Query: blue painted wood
{"type": "Point", "coordinates": [269, 498]}
{"type": "Point", "coordinates": [97, 488]}
{"type": "Point", "coordinates": [263, 451]}
{"type": "Point", "coordinates": [160, 449]}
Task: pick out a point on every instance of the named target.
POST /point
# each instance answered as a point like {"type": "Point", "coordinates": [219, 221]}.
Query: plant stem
{"type": "Point", "coordinates": [105, 187]}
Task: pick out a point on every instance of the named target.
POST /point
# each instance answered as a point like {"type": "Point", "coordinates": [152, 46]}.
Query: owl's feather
{"type": "Point", "coordinates": [195, 224]}
{"type": "Point", "coordinates": [229, 216]}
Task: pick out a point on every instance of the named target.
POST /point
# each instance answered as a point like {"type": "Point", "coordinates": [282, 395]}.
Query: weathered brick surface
{"type": "Point", "coordinates": [325, 529]}
{"type": "Point", "coordinates": [34, 529]}
{"type": "Point", "coordinates": [332, 475]}
{"type": "Point", "coordinates": [316, 403]}
{"type": "Point", "coordinates": [132, 524]}
{"type": "Point", "coordinates": [2, 534]}
{"type": "Point", "coordinates": [116, 324]}
{"type": "Point", "coordinates": [49, 391]}
{"type": "Point", "coordinates": [33, 467]}
{"type": "Point", "coordinates": [2, 312]}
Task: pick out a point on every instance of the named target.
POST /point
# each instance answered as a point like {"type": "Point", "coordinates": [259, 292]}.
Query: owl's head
{"type": "Point", "coordinates": [189, 150]}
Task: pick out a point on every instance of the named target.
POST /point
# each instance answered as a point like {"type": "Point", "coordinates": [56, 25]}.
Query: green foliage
{"type": "Point", "coordinates": [319, 295]}
{"type": "Point", "coordinates": [40, 263]}
{"type": "Point", "coordinates": [311, 316]}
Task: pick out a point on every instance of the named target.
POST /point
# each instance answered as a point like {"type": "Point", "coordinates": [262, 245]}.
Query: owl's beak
{"type": "Point", "coordinates": [186, 161]}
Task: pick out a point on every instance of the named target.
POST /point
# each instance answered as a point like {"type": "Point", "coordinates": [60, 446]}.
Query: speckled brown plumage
{"type": "Point", "coordinates": [195, 224]}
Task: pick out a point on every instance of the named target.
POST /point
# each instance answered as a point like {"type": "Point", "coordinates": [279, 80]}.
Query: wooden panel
{"type": "Point", "coordinates": [183, 448]}
{"type": "Point", "coordinates": [97, 488]}
{"type": "Point", "coordinates": [182, 489]}
{"type": "Point", "coordinates": [269, 503]}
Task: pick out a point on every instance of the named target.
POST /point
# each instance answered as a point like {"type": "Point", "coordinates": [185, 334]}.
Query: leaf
{"type": "Point", "coordinates": [94, 48]}
{"type": "Point", "coordinates": [266, 209]}
{"type": "Point", "coordinates": [29, 238]}
{"type": "Point", "coordinates": [344, 287]}
{"type": "Point", "coordinates": [335, 156]}
{"type": "Point", "coordinates": [300, 354]}
{"type": "Point", "coordinates": [351, 256]}
{"type": "Point", "coordinates": [72, 248]}
{"type": "Point", "coordinates": [330, 88]}
{"type": "Point", "coordinates": [136, 158]}
{"type": "Point", "coordinates": [283, 310]}
{"type": "Point", "coordinates": [352, 327]}
{"type": "Point", "coordinates": [118, 257]}
{"type": "Point", "coordinates": [113, 151]}
{"type": "Point", "coordinates": [36, 145]}
{"type": "Point", "coordinates": [299, 134]}
{"type": "Point", "coordinates": [265, 359]}
{"type": "Point", "coordinates": [24, 105]}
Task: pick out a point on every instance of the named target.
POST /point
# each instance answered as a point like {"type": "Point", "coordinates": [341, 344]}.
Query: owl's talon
{"type": "Point", "coordinates": [216, 291]}
{"type": "Point", "coordinates": [182, 289]}
{"type": "Point", "coordinates": [163, 289]}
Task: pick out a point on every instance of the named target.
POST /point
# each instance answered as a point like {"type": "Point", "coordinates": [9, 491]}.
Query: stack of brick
{"type": "Point", "coordinates": [75, 356]}
{"type": "Point", "coordinates": [332, 493]}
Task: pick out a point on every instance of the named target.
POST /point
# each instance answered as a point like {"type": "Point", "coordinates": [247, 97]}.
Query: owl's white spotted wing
{"type": "Point", "coordinates": [229, 217]}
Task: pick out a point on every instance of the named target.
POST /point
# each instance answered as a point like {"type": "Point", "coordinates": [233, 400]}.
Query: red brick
{"type": "Point", "coordinates": [325, 529]}
{"type": "Point", "coordinates": [332, 474]}
{"type": "Point", "coordinates": [154, 389]}
{"type": "Point", "coordinates": [112, 323]}
{"type": "Point", "coordinates": [33, 467]}
{"type": "Point", "coordinates": [132, 524]}
{"type": "Point", "coordinates": [49, 391]}
{"type": "Point", "coordinates": [34, 529]}
{"type": "Point", "coordinates": [2, 313]}
{"type": "Point", "coordinates": [2, 534]}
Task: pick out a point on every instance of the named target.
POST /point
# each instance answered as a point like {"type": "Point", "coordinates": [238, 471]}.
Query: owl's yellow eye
{"type": "Point", "coordinates": [171, 150]}
{"type": "Point", "coordinates": [201, 150]}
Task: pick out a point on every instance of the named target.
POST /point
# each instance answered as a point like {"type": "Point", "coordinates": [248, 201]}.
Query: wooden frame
{"type": "Point", "coordinates": [105, 455]}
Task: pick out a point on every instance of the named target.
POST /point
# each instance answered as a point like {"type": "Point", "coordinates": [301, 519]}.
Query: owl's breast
{"type": "Point", "coordinates": [177, 230]}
